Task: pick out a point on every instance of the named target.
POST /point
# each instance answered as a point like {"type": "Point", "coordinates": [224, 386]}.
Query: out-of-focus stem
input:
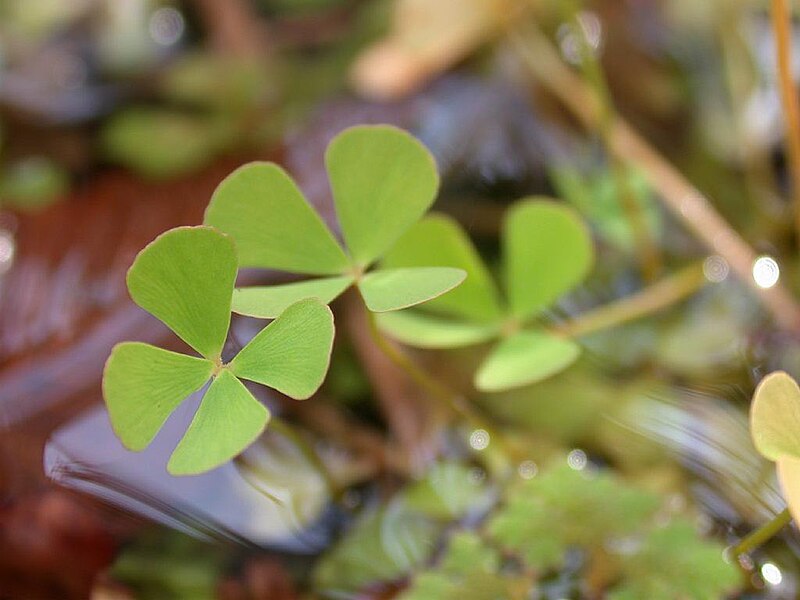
{"type": "Point", "coordinates": [647, 251]}
{"type": "Point", "coordinates": [660, 295]}
{"type": "Point", "coordinates": [763, 534]}
{"type": "Point", "coordinates": [781, 25]}
{"type": "Point", "coordinates": [685, 201]}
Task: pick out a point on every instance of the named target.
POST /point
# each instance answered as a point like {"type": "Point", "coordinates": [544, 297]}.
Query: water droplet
{"type": "Point", "coordinates": [771, 573]}
{"type": "Point", "coordinates": [166, 26]}
{"type": "Point", "coordinates": [716, 269]}
{"type": "Point", "coordinates": [766, 272]}
{"type": "Point", "coordinates": [479, 439]}
{"type": "Point", "coordinates": [577, 459]}
{"type": "Point", "coordinates": [528, 469]}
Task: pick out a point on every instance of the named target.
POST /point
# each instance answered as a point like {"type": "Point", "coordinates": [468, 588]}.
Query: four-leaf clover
{"type": "Point", "coordinates": [547, 251]}
{"type": "Point", "coordinates": [383, 181]}
{"type": "Point", "coordinates": [185, 278]}
{"type": "Point", "coordinates": [775, 427]}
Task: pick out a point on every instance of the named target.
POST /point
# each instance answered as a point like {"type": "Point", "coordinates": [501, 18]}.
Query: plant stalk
{"type": "Point", "coordinates": [684, 200]}
{"type": "Point", "coordinates": [669, 290]}
{"type": "Point", "coordinates": [782, 27]}
{"type": "Point", "coordinates": [763, 534]}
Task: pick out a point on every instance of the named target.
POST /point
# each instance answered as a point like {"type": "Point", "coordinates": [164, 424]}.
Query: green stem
{"type": "Point", "coordinates": [654, 298]}
{"type": "Point", "coordinates": [649, 255]}
{"type": "Point", "coordinates": [763, 534]}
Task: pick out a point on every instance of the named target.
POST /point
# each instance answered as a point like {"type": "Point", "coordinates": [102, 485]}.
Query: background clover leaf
{"type": "Point", "coordinates": [775, 428]}
{"type": "Point", "coordinates": [547, 251]}
{"type": "Point", "coordinates": [383, 181]}
{"type": "Point", "coordinates": [185, 278]}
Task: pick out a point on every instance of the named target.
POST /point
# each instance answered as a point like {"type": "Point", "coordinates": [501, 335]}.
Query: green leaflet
{"type": "Point", "coordinates": [292, 353]}
{"type": "Point", "coordinates": [548, 250]}
{"type": "Point", "coordinates": [383, 181]}
{"type": "Point", "coordinates": [274, 226]}
{"type": "Point", "coordinates": [267, 302]}
{"type": "Point", "coordinates": [418, 329]}
{"type": "Point", "coordinates": [524, 358]}
{"type": "Point", "coordinates": [439, 241]}
{"type": "Point", "coordinates": [185, 279]}
{"type": "Point", "coordinates": [229, 419]}
{"type": "Point", "coordinates": [393, 289]}
{"type": "Point", "coordinates": [143, 384]}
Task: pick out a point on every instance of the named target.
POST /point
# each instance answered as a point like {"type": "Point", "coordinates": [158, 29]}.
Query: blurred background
{"type": "Point", "coordinates": [119, 117]}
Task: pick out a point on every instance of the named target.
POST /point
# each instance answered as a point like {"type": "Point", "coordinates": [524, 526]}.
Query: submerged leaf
{"type": "Point", "coordinates": [229, 419]}
{"type": "Point", "coordinates": [272, 223]}
{"type": "Point", "coordinates": [439, 241]}
{"type": "Point", "coordinates": [185, 278]}
{"type": "Point", "coordinates": [426, 331]}
{"type": "Point", "coordinates": [143, 384]}
{"type": "Point", "coordinates": [447, 491]}
{"type": "Point", "coordinates": [524, 358]}
{"type": "Point", "coordinates": [292, 353]}
{"type": "Point", "coordinates": [383, 181]}
{"type": "Point", "coordinates": [675, 562]}
{"type": "Point", "coordinates": [562, 508]}
{"type": "Point", "coordinates": [393, 289]}
{"type": "Point", "coordinates": [382, 546]}
{"type": "Point", "coordinates": [548, 250]}
{"type": "Point", "coordinates": [267, 302]}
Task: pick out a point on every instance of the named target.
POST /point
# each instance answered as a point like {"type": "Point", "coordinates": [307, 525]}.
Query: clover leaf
{"type": "Point", "coordinates": [185, 278]}
{"type": "Point", "coordinates": [775, 427]}
{"type": "Point", "coordinates": [383, 181]}
{"type": "Point", "coordinates": [547, 251]}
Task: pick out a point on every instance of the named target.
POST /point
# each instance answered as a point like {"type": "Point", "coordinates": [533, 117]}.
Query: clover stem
{"type": "Point", "coordinates": [438, 390]}
{"type": "Point", "coordinates": [781, 25]}
{"type": "Point", "coordinates": [660, 295]}
{"type": "Point", "coordinates": [682, 198]}
{"type": "Point", "coordinates": [763, 534]}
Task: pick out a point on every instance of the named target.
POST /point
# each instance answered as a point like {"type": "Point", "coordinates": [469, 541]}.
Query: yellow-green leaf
{"type": "Point", "coordinates": [393, 289]}
{"type": "Point", "coordinates": [272, 223]}
{"type": "Point", "coordinates": [292, 353]}
{"type": "Point", "coordinates": [439, 241]}
{"type": "Point", "coordinates": [185, 278]}
{"type": "Point", "coordinates": [267, 302]}
{"type": "Point", "coordinates": [426, 331]}
{"type": "Point", "coordinates": [143, 384]}
{"type": "Point", "coordinates": [524, 358]}
{"type": "Point", "coordinates": [228, 421]}
{"type": "Point", "coordinates": [548, 250]}
{"type": "Point", "coordinates": [775, 416]}
{"type": "Point", "coordinates": [383, 181]}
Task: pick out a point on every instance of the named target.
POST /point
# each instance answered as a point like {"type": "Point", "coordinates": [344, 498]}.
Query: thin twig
{"type": "Point", "coordinates": [684, 200]}
{"type": "Point", "coordinates": [781, 25]}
